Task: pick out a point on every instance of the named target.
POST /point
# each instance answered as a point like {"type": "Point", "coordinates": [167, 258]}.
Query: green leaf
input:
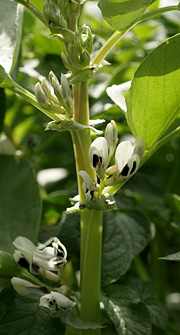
{"type": "Point", "coordinates": [20, 205]}
{"type": "Point", "coordinates": [128, 314]}
{"type": "Point", "coordinates": [8, 266]}
{"type": "Point", "coordinates": [149, 297]}
{"type": "Point", "coordinates": [124, 237]}
{"type": "Point", "coordinates": [5, 79]}
{"type": "Point", "coordinates": [11, 17]}
{"type": "Point", "coordinates": [153, 101]}
{"type": "Point", "coordinates": [121, 14]}
{"type": "Point", "coordinates": [3, 107]}
{"type": "Point", "coordinates": [69, 125]}
{"type": "Point", "coordinates": [24, 316]}
{"type": "Point", "coordinates": [70, 234]}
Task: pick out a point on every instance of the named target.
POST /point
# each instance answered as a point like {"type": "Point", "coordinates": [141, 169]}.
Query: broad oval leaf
{"type": "Point", "coordinates": [153, 101]}
{"type": "Point", "coordinates": [24, 316]}
{"type": "Point", "coordinates": [20, 205]}
{"type": "Point", "coordinates": [128, 314]}
{"type": "Point", "coordinates": [149, 297]}
{"type": "Point", "coordinates": [11, 17]}
{"type": "Point", "coordinates": [121, 14]}
{"type": "Point", "coordinates": [124, 237]}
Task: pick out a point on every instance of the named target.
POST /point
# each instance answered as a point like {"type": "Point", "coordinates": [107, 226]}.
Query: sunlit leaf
{"type": "Point", "coordinates": [11, 16]}
{"type": "Point", "coordinates": [121, 14]}
{"type": "Point", "coordinates": [153, 101]}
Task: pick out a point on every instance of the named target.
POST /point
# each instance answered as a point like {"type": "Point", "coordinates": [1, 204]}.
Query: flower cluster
{"type": "Point", "coordinates": [127, 159]}
{"type": "Point", "coordinates": [42, 260]}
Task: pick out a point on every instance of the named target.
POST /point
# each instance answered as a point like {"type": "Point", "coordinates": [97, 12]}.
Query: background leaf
{"type": "Point", "coordinates": [153, 100]}
{"type": "Point", "coordinates": [11, 17]}
{"type": "Point", "coordinates": [25, 316]}
{"type": "Point", "coordinates": [8, 266]}
{"type": "Point", "coordinates": [122, 14]}
{"type": "Point", "coordinates": [3, 107]}
{"type": "Point", "coordinates": [149, 297]}
{"type": "Point", "coordinates": [124, 237]}
{"type": "Point", "coordinates": [129, 315]}
{"type": "Point", "coordinates": [20, 205]}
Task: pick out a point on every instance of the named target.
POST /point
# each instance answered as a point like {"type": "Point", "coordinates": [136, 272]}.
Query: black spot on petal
{"type": "Point", "coordinates": [95, 160]}
{"type": "Point", "coordinates": [125, 171]}
{"type": "Point", "coordinates": [23, 262]}
{"type": "Point", "coordinates": [133, 168]}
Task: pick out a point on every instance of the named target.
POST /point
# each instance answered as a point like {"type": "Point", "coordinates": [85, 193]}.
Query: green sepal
{"type": "Point", "coordinates": [74, 67]}
{"type": "Point", "coordinates": [69, 125]}
{"type": "Point", "coordinates": [103, 202]}
{"type": "Point", "coordinates": [82, 76]}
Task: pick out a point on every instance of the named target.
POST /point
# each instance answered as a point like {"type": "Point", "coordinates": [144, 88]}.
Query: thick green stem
{"type": "Point", "coordinates": [91, 268]}
{"type": "Point", "coordinates": [91, 221]}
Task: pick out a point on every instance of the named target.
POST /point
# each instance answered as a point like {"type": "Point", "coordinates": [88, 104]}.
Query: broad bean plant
{"type": "Point", "coordinates": [89, 210]}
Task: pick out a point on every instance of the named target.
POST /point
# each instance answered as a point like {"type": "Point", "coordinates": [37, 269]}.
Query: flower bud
{"type": "Point", "coordinates": [98, 155]}
{"type": "Point", "coordinates": [53, 16]}
{"type": "Point", "coordinates": [56, 299]}
{"type": "Point", "coordinates": [111, 137]}
{"type": "Point", "coordinates": [41, 98]}
{"type": "Point", "coordinates": [27, 289]}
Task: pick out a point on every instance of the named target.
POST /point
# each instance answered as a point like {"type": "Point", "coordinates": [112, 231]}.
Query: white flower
{"type": "Point", "coordinates": [98, 155]}
{"type": "Point", "coordinates": [51, 258]}
{"type": "Point", "coordinates": [88, 185]}
{"type": "Point", "coordinates": [27, 289]}
{"type": "Point", "coordinates": [56, 299]}
{"type": "Point", "coordinates": [127, 158]}
{"type": "Point", "coordinates": [25, 250]}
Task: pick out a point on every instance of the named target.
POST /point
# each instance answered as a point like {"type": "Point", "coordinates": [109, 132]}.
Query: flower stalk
{"type": "Point", "coordinates": [91, 221]}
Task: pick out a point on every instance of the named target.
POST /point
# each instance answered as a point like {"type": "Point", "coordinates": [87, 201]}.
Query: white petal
{"type": "Point", "coordinates": [43, 257]}
{"type": "Point", "coordinates": [123, 154]}
{"type": "Point", "coordinates": [48, 301]}
{"type": "Point", "coordinates": [99, 148]}
{"type": "Point", "coordinates": [26, 247]}
{"type": "Point", "coordinates": [117, 92]}
{"type": "Point", "coordinates": [55, 298]}
{"type": "Point", "coordinates": [60, 248]}
{"type": "Point", "coordinates": [88, 182]}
